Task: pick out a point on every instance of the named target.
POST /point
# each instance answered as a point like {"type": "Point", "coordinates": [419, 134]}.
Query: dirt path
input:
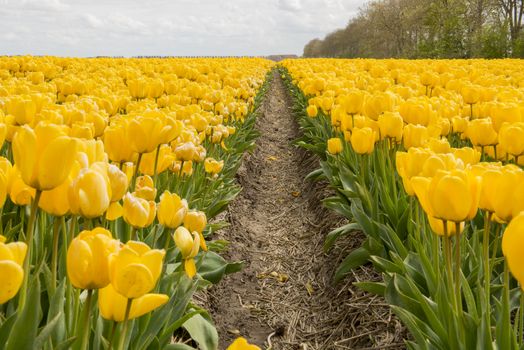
{"type": "Point", "coordinates": [285, 292]}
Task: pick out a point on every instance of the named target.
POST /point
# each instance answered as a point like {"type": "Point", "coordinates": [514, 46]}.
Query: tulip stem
{"type": "Point", "coordinates": [155, 172]}
{"type": "Point", "coordinates": [457, 265]}
{"type": "Point", "coordinates": [112, 335]}
{"type": "Point", "coordinates": [29, 240]}
{"type": "Point", "coordinates": [487, 269]}
{"type": "Point", "coordinates": [168, 239]}
{"type": "Point", "coordinates": [122, 339]}
{"type": "Point", "coordinates": [54, 257]}
{"type": "Point", "coordinates": [521, 318]}
{"type": "Point", "coordinates": [135, 174]}
{"type": "Point", "coordinates": [86, 327]}
{"type": "Point", "coordinates": [449, 272]}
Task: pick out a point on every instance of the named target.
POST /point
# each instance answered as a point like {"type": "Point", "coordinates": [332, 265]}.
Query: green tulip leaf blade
{"type": "Point", "coordinates": [203, 332]}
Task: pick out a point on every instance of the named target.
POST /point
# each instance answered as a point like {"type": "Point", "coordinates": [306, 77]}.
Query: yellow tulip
{"type": "Point", "coordinates": [213, 166]}
{"type": "Point", "coordinates": [467, 155]}
{"type": "Point", "coordinates": [165, 160]}
{"type": "Point", "coordinates": [410, 164]}
{"type": "Point", "coordinates": [44, 155]}
{"type": "Point", "coordinates": [90, 192]}
{"type": "Point", "coordinates": [116, 143]}
{"type": "Point", "coordinates": [23, 109]}
{"type": "Point", "coordinates": [363, 140]}
{"type": "Point", "coordinates": [114, 211]}
{"type": "Point", "coordinates": [189, 245]}
{"type": "Point", "coordinates": [449, 196]}
{"type": "Point", "coordinates": [196, 221]}
{"type": "Point", "coordinates": [138, 212]}
{"type": "Point", "coordinates": [391, 125]}
{"type": "Point", "coordinates": [511, 138]}
{"type": "Point", "coordinates": [353, 101]}
{"type": "Point", "coordinates": [12, 257]}
{"type": "Point", "coordinates": [146, 133]}
{"type": "Point", "coordinates": [414, 136]}
{"type": "Point", "coordinates": [87, 258]}
{"type": "Point", "coordinates": [481, 132]}
{"type": "Point", "coordinates": [56, 201]}
{"type": "Point", "coordinates": [118, 181]}
{"type": "Point", "coordinates": [312, 111]}
{"type": "Point", "coordinates": [242, 344]}
{"type": "Point", "coordinates": [470, 94]}
{"type": "Point", "coordinates": [507, 193]}
{"type": "Point", "coordinates": [145, 188]}
{"type": "Point", "coordinates": [512, 243]}
{"type": "Point", "coordinates": [171, 210]}
{"type": "Point", "coordinates": [19, 192]}
{"type": "Point", "coordinates": [334, 145]}
{"type": "Point", "coordinates": [134, 270]}
{"type": "Point", "coordinates": [186, 151]}
{"type": "Point", "coordinates": [112, 305]}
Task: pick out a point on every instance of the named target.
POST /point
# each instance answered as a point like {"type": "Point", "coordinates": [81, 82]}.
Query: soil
{"type": "Point", "coordinates": [285, 297]}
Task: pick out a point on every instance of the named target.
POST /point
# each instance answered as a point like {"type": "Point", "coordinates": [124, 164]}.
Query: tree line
{"type": "Point", "coordinates": [428, 29]}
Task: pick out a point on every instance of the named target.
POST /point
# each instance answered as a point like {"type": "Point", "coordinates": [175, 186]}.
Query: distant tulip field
{"type": "Point", "coordinates": [111, 170]}
{"type": "Point", "coordinates": [424, 157]}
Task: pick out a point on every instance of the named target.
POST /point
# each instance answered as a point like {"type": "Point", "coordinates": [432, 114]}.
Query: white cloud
{"type": "Point", "coordinates": [167, 27]}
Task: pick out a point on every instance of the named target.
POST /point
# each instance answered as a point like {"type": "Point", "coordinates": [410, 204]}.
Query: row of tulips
{"type": "Point", "coordinates": [424, 159]}
{"type": "Point", "coordinates": [110, 172]}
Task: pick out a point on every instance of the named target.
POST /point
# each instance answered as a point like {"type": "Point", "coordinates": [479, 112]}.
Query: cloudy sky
{"type": "Point", "coordinates": [167, 27]}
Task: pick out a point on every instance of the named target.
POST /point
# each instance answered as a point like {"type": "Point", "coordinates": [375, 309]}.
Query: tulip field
{"type": "Point", "coordinates": [110, 172]}
{"type": "Point", "coordinates": [424, 157]}
{"type": "Point", "coordinates": [113, 172]}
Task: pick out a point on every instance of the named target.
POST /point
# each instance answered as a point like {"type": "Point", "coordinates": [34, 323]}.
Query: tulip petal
{"type": "Point", "coordinates": [133, 281]}
{"type": "Point", "coordinates": [12, 276]}
{"type": "Point", "coordinates": [190, 267]}
{"type": "Point", "coordinates": [146, 304]}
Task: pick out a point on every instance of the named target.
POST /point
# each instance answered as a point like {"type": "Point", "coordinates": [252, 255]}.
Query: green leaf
{"type": "Point", "coordinates": [203, 332]}
{"type": "Point", "coordinates": [336, 233]}
{"type": "Point", "coordinates": [356, 258]}
{"type": "Point", "coordinates": [46, 332]}
{"type": "Point", "coordinates": [178, 347]}
{"type": "Point", "coordinates": [214, 267]}
{"type": "Point", "coordinates": [377, 288]}
{"type": "Point", "coordinates": [24, 330]}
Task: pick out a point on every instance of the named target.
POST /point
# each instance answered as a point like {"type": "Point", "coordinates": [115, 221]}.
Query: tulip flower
{"type": "Point", "coordinates": [87, 258]}
{"type": "Point", "coordinates": [353, 101]}
{"type": "Point", "coordinates": [116, 143]}
{"type": "Point", "coordinates": [363, 140]}
{"type": "Point", "coordinates": [511, 139]}
{"type": "Point", "coordinates": [312, 111]}
{"type": "Point", "coordinates": [146, 133]}
{"type": "Point", "coordinates": [449, 196]}
{"type": "Point", "coordinates": [481, 132]}
{"type": "Point", "coordinates": [163, 162]}
{"type": "Point", "coordinates": [113, 305]}
{"type": "Point", "coordinates": [145, 188]}
{"type": "Point", "coordinates": [512, 243]}
{"type": "Point", "coordinates": [138, 212]}
{"type": "Point", "coordinates": [196, 221]}
{"type": "Point", "coordinates": [242, 344]}
{"type": "Point", "coordinates": [171, 210]}
{"type": "Point", "coordinates": [135, 268]}
{"type": "Point", "coordinates": [44, 155]}
{"type": "Point", "coordinates": [189, 245]}
{"type": "Point", "coordinates": [334, 145]}
{"type": "Point", "coordinates": [19, 193]}
{"type": "Point", "coordinates": [414, 136]}
{"type": "Point", "coordinates": [90, 193]}
{"type": "Point", "coordinates": [391, 125]}
{"type": "Point", "coordinates": [213, 166]}
{"type": "Point", "coordinates": [12, 257]}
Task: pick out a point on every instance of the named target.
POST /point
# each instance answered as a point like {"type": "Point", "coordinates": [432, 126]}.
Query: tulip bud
{"type": "Point", "coordinates": [90, 193]}
{"type": "Point", "coordinates": [512, 243]}
{"type": "Point", "coordinates": [138, 212]}
{"type": "Point", "coordinates": [213, 166]}
{"type": "Point", "coordinates": [171, 210]}
{"type": "Point", "coordinates": [334, 145]}
{"type": "Point", "coordinates": [363, 140]}
{"type": "Point", "coordinates": [189, 246]}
